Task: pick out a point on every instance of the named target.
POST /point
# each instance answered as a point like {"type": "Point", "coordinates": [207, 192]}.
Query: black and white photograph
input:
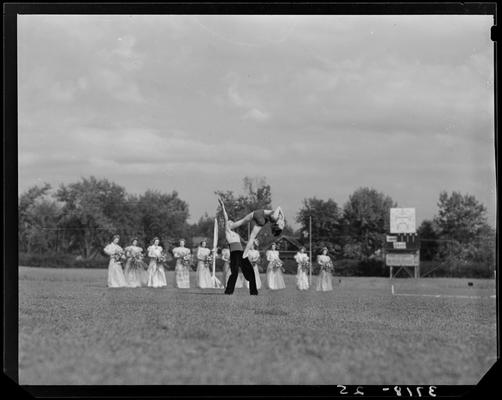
{"type": "Point", "coordinates": [253, 199]}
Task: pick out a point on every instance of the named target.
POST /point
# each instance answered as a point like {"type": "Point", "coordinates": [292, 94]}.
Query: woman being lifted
{"type": "Point", "coordinates": [260, 217]}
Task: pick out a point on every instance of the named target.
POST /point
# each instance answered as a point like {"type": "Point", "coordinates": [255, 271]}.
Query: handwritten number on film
{"type": "Point", "coordinates": [343, 390]}
{"type": "Point", "coordinates": [397, 390]}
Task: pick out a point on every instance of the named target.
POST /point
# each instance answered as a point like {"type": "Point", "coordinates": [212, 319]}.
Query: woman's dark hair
{"type": "Point", "coordinates": [133, 239]}
{"type": "Point", "coordinates": [273, 244]}
{"type": "Point", "coordinates": [276, 231]}
{"type": "Point", "coordinates": [115, 237]}
{"type": "Point", "coordinates": [155, 238]}
{"type": "Point", "coordinates": [324, 248]}
{"type": "Point", "coordinates": [203, 241]}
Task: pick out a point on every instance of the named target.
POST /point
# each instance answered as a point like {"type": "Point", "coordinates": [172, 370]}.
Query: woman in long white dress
{"type": "Point", "coordinates": [254, 259]}
{"type": "Point", "coordinates": [275, 280]}
{"type": "Point", "coordinates": [135, 268]}
{"type": "Point", "coordinates": [203, 266]}
{"type": "Point", "coordinates": [183, 258]}
{"type": "Point", "coordinates": [302, 280]}
{"type": "Point", "coordinates": [324, 280]}
{"type": "Point", "coordinates": [156, 273]}
{"type": "Point", "coordinates": [225, 257]}
{"type": "Point", "coordinates": [116, 276]}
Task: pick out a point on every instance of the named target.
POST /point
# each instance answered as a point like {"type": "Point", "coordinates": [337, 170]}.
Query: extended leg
{"type": "Point", "coordinates": [248, 272]}
{"type": "Point", "coordinates": [235, 258]}
{"type": "Point", "coordinates": [254, 233]}
{"type": "Point", "coordinates": [245, 220]}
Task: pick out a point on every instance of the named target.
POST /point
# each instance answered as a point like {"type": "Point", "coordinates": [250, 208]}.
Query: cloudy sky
{"type": "Point", "coordinates": [320, 105]}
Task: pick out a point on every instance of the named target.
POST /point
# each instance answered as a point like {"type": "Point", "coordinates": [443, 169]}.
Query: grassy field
{"type": "Point", "coordinates": [74, 330]}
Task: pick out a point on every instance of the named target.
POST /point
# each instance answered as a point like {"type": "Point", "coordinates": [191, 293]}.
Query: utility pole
{"type": "Point", "coordinates": [310, 249]}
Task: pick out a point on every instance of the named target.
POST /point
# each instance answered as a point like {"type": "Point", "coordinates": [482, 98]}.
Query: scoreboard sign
{"type": "Point", "coordinates": [402, 259]}
{"type": "Point", "coordinates": [402, 220]}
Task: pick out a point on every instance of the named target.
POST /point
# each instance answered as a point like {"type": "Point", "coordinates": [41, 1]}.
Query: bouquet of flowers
{"type": "Point", "coordinates": [327, 266]}
{"type": "Point", "coordinates": [276, 264]}
{"type": "Point", "coordinates": [186, 260]}
{"type": "Point", "coordinates": [162, 258]}
{"type": "Point", "coordinates": [119, 256]}
{"type": "Point", "coordinates": [209, 261]}
{"type": "Point", "coordinates": [305, 265]}
{"type": "Point", "coordinates": [137, 260]}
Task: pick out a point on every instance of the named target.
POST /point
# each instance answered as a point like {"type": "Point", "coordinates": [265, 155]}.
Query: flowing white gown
{"type": "Point", "coordinates": [275, 280]}
{"type": "Point", "coordinates": [116, 276]}
{"type": "Point", "coordinates": [156, 273]}
{"type": "Point", "coordinates": [324, 280]}
{"type": "Point", "coordinates": [254, 258]}
{"type": "Point", "coordinates": [302, 279]}
{"type": "Point", "coordinates": [225, 256]}
{"type": "Point", "coordinates": [203, 272]}
{"type": "Point", "coordinates": [182, 270]}
{"type": "Point", "coordinates": [135, 269]}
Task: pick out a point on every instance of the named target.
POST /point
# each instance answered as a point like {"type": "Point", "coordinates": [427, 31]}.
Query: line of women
{"type": "Point", "coordinates": [128, 269]}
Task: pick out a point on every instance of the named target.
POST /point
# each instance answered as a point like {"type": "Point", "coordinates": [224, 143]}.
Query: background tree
{"type": "Point", "coordinates": [92, 211]}
{"type": "Point", "coordinates": [203, 228]}
{"type": "Point", "coordinates": [38, 216]}
{"type": "Point", "coordinates": [462, 223]}
{"type": "Point", "coordinates": [428, 233]}
{"type": "Point", "coordinates": [326, 228]}
{"type": "Point", "coordinates": [460, 217]}
{"type": "Point", "coordinates": [366, 219]}
{"type": "Point", "coordinates": [163, 215]}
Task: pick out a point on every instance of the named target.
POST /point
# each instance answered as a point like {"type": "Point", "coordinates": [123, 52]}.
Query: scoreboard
{"type": "Point", "coordinates": [402, 245]}
{"type": "Point", "coordinates": [402, 242]}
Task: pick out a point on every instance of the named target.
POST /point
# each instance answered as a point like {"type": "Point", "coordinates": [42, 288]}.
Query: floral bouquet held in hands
{"type": "Point", "coordinates": [137, 261]}
{"type": "Point", "coordinates": [327, 266]}
{"type": "Point", "coordinates": [161, 259]}
{"type": "Point", "coordinates": [186, 260]}
{"type": "Point", "coordinates": [305, 266]}
{"type": "Point", "coordinates": [276, 264]}
{"type": "Point", "coordinates": [119, 256]}
{"type": "Point", "coordinates": [209, 261]}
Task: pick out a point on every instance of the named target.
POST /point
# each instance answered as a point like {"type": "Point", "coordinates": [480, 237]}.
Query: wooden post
{"type": "Point", "coordinates": [310, 249]}
{"type": "Point", "coordinates": [417, 267]}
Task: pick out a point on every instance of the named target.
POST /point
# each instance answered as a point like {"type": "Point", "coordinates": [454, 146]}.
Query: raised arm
{"type": "Point", "coordinates": [225, 215]}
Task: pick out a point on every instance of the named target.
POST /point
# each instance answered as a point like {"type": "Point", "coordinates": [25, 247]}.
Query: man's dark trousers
{"type": "Point", "coordinates": [236, 262]}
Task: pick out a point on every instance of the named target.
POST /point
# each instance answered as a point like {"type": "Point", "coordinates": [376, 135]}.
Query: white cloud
{"type": "Point", "coordinates": [315, 103]}
{"type": "Point", "coordinates": [256, 115]}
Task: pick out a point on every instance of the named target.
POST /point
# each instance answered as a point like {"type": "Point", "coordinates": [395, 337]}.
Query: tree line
{"type": "Point", "coordinates": [79, 218]}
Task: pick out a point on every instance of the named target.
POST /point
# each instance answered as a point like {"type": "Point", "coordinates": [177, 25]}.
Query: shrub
{"type": "Point", "coordinates": [57, 260]}
{"type": "Point", "coordinates": [456, 270]}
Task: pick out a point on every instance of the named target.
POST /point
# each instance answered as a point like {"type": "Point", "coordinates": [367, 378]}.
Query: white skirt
{"type": "Point", "coordinates": [116, 276]}
{"type": "Point", "coordinates": [275, 280]}
{"type": "Point", "coordinates": [203, 276]}
{"type": "Point", "coordinates": [226, 272]}
{"type": "Point", "coordinates": [302, 280]}
{"type": "Point", "coordinates": [135, 276]}
{"type": "Point", "coordinates": [324, 281]}
{"type": "Point", "coordinates": [182, 276]}
{"type": "Point", "coordinates": [156, 275]}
